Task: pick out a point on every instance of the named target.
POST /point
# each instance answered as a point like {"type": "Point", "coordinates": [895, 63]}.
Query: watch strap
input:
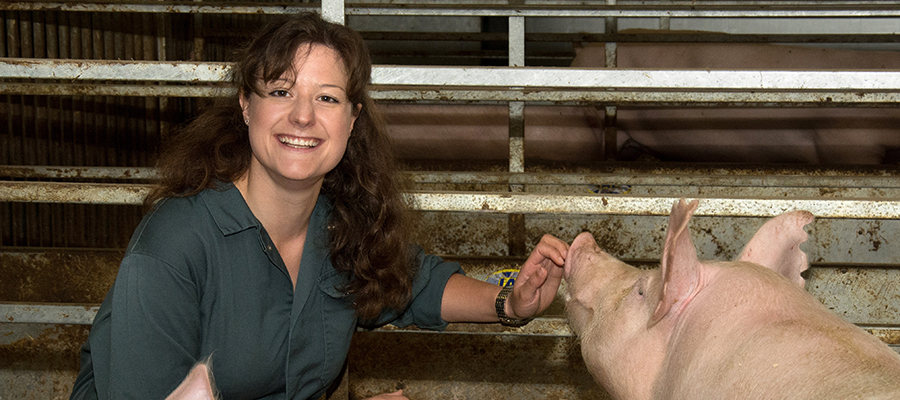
{"type": "Point", "coordinates": [500, 306]}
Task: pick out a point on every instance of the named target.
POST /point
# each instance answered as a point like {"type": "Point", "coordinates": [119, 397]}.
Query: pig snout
{"type": "Point", "coordinates": [583, 251]}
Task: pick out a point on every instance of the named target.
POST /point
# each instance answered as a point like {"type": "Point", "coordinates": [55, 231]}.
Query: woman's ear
{"type": "Point", "coordinates": [356, 110]}
{"type": "Point", "coordinates": [244, 101]}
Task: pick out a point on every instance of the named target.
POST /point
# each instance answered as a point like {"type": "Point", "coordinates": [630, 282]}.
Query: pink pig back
{"type": "Point", "coordinates": [749, 333]}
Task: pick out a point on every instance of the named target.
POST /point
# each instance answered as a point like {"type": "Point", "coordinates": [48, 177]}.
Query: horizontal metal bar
{"type": "Point", "coordinates": [643, 37]}
{"type": "Point", "coordinates": [634, 12]}
{"type": "Point", "coordinates": [489, 77]}
{"type": "Point", "coordinates": [44, 171]}
{"type": "Point", "coordinates": [650, 179]}
{"type": "Point", "coordinates": [488, 96]}
{"type": "Point", "coordinates": [74, 89]}
{"type": "Point", "coordinates": [671, 177]}
{"type": "Point", "coordinates": [636, 78]}
{"type": "Point", "coordinates": [55, 192]}
{"type": "Point", "coordinates": [644, 98]}
{"type": "Point", "coordinates": [530, 9]}
{"type": "Point", "coordinates": [157, 7]}
{"type": "Point", "coordinates": [650, 205]}
{"type": "Point", "coordinates": [186, 72]}
{"type": "Point", "coordinates": [48, 313]}
{"type": "Point", "coordinates": [549, 326]}
{"type": "Point", "coordinates": [81, 193]}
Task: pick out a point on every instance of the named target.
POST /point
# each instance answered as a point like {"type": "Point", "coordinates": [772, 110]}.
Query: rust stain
{"type": "Point", "coordinates": [57, 276]}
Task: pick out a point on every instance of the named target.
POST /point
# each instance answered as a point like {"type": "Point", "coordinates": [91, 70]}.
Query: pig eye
{"type": "Point", "coordinates": [641, 291]}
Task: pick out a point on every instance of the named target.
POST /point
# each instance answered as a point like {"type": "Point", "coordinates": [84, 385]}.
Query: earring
{"type": "Point", "coordinates": [247, 121]}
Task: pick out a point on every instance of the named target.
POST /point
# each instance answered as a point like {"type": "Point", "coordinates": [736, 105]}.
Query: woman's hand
{"type": "Point", "coordinates": [538, 279]}
{"type": "Point", "coordinates": [398, 395]}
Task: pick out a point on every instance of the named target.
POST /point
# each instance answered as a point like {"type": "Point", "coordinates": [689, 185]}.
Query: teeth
{"type": "Point", "coordinates": [299, 143]}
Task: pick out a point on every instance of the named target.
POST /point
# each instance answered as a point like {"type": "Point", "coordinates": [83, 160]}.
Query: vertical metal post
{"type": "Point", "coordinates": [609, 126]}
{"type": "Point", "coordinates": [333, 11]}
{"type": "Point", "coordinates": [516, 135]}
{"type": "Point", "coordinates": [516, 108]}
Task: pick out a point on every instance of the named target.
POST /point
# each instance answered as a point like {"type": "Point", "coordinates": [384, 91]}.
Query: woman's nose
{"type": "Point", "coordinates": [302, 112]}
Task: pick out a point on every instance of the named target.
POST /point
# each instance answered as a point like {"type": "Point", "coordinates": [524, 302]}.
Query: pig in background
{"type": "Point", "coordinates": [695, 329]}
{"type": "Point", "coordinates": [825, 135]}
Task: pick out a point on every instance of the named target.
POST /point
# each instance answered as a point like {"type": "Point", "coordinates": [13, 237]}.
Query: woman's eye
{"type": "Point", "coordinates": [278, 93]}
{"type": "Point", "coordinates": [329, 99]}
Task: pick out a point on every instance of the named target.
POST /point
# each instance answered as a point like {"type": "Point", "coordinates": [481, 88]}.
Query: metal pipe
{"type": "Point", "coordinates": [488, 77]}
{"type": "Point", "coordinates": [531, 9]}
{"type": "Point", "coordinates": [668, 176]}
{"type": "Point", "coordinates": [504, 203]}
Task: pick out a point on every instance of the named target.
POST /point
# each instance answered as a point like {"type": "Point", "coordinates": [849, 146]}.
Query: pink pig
{"type": "Point", "coordinates": [719, 330]}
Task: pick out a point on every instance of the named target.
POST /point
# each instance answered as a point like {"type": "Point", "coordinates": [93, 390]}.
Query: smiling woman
{"type": "Point", "coordinates": [277, 227]}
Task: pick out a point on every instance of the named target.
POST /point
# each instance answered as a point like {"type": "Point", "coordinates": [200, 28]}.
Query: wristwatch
{"type": "Point", "coordinates": [500, 306]}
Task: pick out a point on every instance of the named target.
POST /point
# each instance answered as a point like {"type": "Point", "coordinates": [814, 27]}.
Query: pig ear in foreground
{"type": "Point", "coordinates": [197, 386]}
{"type": "Point", "coordinates": [776, 245]}
{"type": "Point", "coordinates": [679, 263]}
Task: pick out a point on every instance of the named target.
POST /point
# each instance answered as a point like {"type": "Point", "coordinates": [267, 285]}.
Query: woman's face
{"type": "Point", "coordinates": [300, 126]}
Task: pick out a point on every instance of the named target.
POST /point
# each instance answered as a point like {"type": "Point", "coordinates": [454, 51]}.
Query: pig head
{"type": "Point", "coordinates": [695, 329]}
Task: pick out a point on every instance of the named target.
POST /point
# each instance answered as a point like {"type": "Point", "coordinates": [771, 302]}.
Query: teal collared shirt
{"type": "Point", "coordinates": [201, 278]}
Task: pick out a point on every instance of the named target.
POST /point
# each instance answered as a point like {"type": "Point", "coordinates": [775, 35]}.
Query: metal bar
{"type": "Point", "coordinates": [516, 42]}
{"type": "Point", "coordinates": [664, 177]}
{"type": "Point", "coordinates": [650, 205]}
{"type": "Point", "coordinates": [72, 89]}
{"type": "Point", "coordinates": [633, 78]}
{"type": "Point", "coordinates": [333, 11]}
{"type": "Point", "coordinates": [649, 37]}
{"type": "Point", "coordinates": [41, 171]}
{"type": "Point", "coordinates": [607, 96]}
{"type": "Point", "coordinates": [48, 313]}
{"type": "Point", "coordinates": [505, 203]}
{"type": "Point", "coordinates": [796, 10]}
{"type": "Point", "coordinates": [187, 72]}
{"type": "Point", "coordinates": [849, 98]}
{"type": "Point", "coordinates": [542, 326]}
{"type": "Point", "coordinates": [493, 77]}
{"type": "Point", "coordinates": [56, 192]}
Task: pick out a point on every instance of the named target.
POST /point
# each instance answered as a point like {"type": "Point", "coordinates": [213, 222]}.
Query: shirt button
{"type": "Point", "coordinates": [269, 247]}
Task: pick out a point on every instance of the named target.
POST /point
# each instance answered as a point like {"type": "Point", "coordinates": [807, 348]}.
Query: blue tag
{"type": "Point", "coordinates": [503, 277]}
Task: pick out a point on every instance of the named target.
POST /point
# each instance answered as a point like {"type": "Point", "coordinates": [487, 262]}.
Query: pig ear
{"type": "Point", "coordinates": [776, 245]}
{"type": "Point", "coordinates": [680, 266]}
{"type": "Point", "coordinates": [197, 386]}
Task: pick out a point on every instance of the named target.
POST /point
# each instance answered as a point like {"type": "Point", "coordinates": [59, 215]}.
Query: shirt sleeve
{"type": "Point", "coordinates": [424, 308]}
{"type": "Point", "coordinates": [144, 342]}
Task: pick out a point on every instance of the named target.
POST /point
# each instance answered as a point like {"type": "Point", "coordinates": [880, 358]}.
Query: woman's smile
{"type": "Point", "coordinates": [298, 143]}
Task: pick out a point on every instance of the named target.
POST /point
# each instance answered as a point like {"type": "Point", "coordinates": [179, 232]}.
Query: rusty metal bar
{"type": "Point", "coordinates": [187, 72]}
{"type": "Point", "coordinates": [663, 177]}
{"type": "Point", "coordinates": [489, 77]}
{"type": "Point", "coordinates": [506, 203]}
{"type": "Point", "coordinates": [542, 326]}
{"type": "Point", "coordinates": [635, 205]}
{"type": "Point", "coordinates": [40, 171]}
{"type": "Point", "coordinates": [79, 193]}
{"type": "Point", "coordinates": [48, 313]}
{"type": "Point", "coordinates": [73, 89]}
{"type": "Point", "coordinates": [530, 9]}
{"type": "Point", "coordinates": [560, 97]}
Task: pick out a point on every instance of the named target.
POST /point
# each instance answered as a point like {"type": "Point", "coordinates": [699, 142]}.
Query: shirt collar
{"type": "Point", "coordinates": [233, 215]}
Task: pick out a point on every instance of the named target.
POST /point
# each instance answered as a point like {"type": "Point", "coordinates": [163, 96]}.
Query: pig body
{"type": "Point", "coordinates": [812, 135]}
{"type": "Point", "coordinates": [715, 330]}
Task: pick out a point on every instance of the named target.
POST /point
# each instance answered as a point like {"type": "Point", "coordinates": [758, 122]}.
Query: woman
{"type": "Point", "coordinates": [277, 228]}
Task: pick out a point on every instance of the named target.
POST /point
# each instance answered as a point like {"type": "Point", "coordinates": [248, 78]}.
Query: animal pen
{"type": "Point", "coordinates": [88, 91]}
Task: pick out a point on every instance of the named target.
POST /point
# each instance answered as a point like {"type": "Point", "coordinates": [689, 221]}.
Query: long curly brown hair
{"type": "Point", "coordinates": [369, 236]}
